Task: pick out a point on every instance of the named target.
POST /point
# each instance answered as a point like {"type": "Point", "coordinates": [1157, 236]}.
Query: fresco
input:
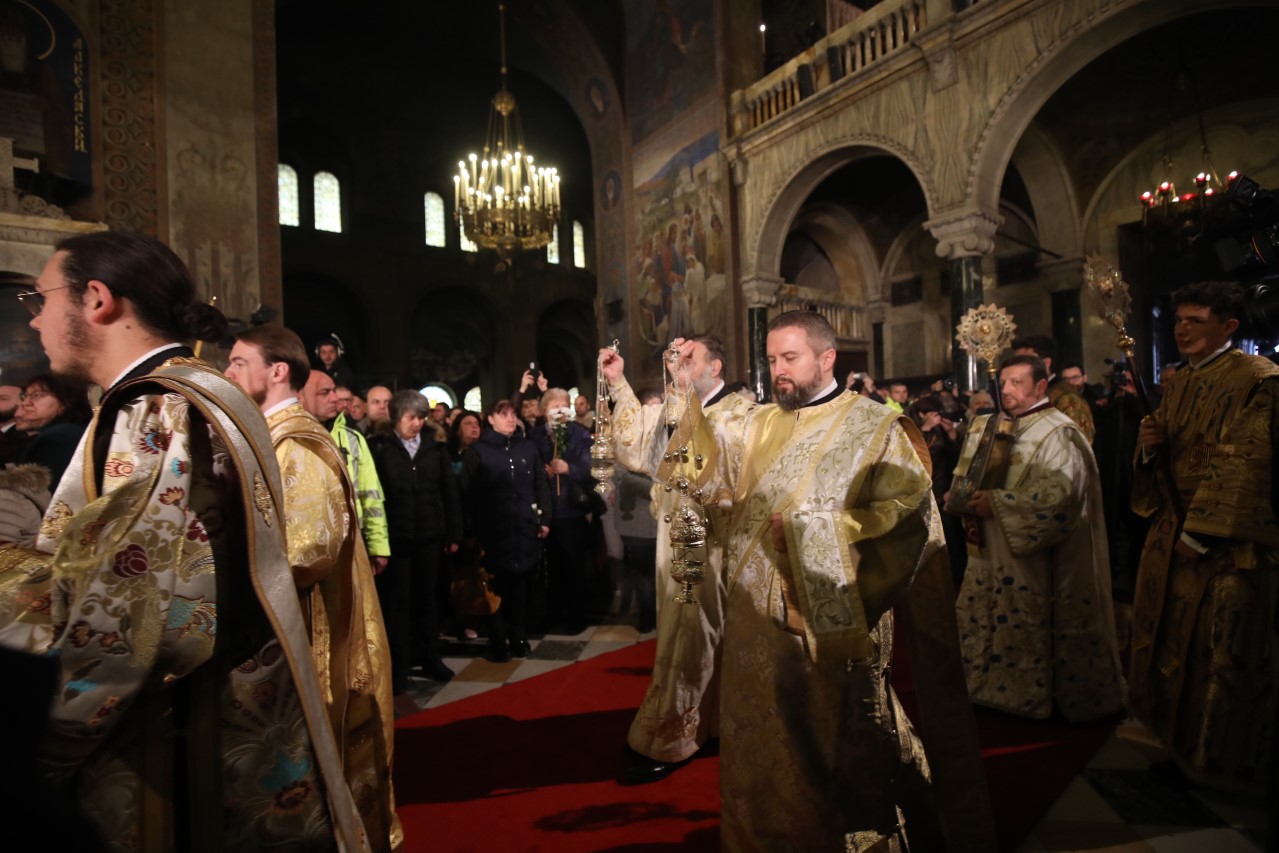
{"type": "Point", "coordinates": [680, 250]}
{"type": "Point", "coordinates": [670, 46]}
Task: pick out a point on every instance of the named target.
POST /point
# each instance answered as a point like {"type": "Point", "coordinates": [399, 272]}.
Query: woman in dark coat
{"type": "Point", "coordinates": [508, 510]}
{"type": "Point", "coordinates": [55, 411]}
{"type": "Point", "coordinates": [424, 520]}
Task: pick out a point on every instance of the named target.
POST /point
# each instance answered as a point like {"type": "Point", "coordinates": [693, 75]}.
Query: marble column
{"type": "Point", "coordinates": [963, 239]}
{"type": "Point", "coordinates": [760, 293]}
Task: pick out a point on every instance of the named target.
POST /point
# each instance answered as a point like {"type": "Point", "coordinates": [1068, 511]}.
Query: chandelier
{"type": "Point", "coordinates": [502, 200]}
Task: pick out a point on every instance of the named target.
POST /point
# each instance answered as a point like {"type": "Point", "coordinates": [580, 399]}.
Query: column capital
{"type": "Point", "coordinates": [964, 233]}
{"type": "Point", "coordinates": [760, 289]}
{"type": "Point", "coordinates": [1062, 273]}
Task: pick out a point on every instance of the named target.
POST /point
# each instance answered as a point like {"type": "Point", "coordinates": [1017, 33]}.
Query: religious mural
{"type": "Point", "coordinates": [680, 247]}
{"type": "Point", "coordinates": [670, 49]}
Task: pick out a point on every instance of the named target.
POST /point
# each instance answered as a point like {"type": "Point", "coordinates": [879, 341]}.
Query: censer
{"type": "Point", "coordinates": [688, 525]}
{"type": "Point", "coordinates": [602, 456]}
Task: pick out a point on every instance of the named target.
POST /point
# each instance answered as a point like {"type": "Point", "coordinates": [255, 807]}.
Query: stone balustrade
{"type": "Point", "coordinates": [848, 321]}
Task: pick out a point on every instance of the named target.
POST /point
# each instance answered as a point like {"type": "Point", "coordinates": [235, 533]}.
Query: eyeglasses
{"type": "Point", "coordinates": [33, 396]}
{"type": "Point", "coordinates": [34, 299]}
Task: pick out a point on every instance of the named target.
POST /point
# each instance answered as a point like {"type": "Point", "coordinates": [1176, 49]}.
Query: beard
{"type": "Point", "coordinates": [75, 340]}
{"type": "Point", "coordinates": [799, 394]}
{"type": "Point", "coordinates": [6, 415]}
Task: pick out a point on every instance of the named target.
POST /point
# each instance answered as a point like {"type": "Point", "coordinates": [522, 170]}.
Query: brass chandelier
{"type": "Point", "coordinates": [502, 200]}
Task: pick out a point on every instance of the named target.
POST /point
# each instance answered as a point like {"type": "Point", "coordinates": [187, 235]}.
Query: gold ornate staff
{"type": "Point", "coordinates": [199, 345]}
{"type": "Point", "coordinates": [688, 526]}
{"type": "Point", "coordinates": [602, 456]}
{"type": "Point", "coordinates": [984, 332]}
{"type": "Point", "coordinates": [1114, 302]}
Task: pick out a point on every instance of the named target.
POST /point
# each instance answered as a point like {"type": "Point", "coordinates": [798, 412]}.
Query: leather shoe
{"type": "Point", "coordinates": [640, 769]}
{"type": "Point", "coordinates": [520, 648]}
{"type": "Point", "coordinates": [497, 652]}
{"type": "Point", "coordinates": [437, 671]}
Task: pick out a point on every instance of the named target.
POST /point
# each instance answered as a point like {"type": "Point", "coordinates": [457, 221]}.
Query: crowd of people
{"type": "Point", "coordinates": [229, 577]}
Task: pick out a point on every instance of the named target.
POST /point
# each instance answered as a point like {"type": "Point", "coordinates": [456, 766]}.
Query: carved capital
{"type": "Point", "coordinates": [965, 234]}
{"type": "Point", "coordinates": [737, 168]}
{"type": "Point", "coordinates": [760, 291]}
{"type": "Point", "coordinates": [1062, 273]}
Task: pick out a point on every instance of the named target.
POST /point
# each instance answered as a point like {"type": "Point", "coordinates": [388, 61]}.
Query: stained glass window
{"type": "Point", "coordinates": [328, 202]}
{"type": "Point", "coordinates": [553, 247]}
{"type": "Point", "coordinates": [579, 245]}
{"type": "Point", "coordinates": [435, 220]}
{"type": "Point", "coordinates": [287, 180]}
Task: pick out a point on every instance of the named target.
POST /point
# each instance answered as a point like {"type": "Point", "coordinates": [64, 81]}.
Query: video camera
{"type": "Point", "coordinates": [1247, 249]}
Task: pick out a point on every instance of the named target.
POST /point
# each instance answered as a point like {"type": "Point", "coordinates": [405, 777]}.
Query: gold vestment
{"type": "Point", "coordinates": [348, 640]}
{"type": "Point", "coordinates": [1204, 660]}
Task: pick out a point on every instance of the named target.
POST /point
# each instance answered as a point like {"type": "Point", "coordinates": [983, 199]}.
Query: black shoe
{"type": "Point", "coordinates": [520, 648]}
{"type": "Point", "coordinates": [640, 769]}
{"type": "Point", "coordinates": [437, 671]}
{"type": "Point", "coordinates": [497, 652]}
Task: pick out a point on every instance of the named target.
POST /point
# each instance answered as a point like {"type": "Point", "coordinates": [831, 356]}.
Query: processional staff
{"type": "Point", "coordinates": [1114, 302]}
{"type": "Point", "coordinates": [984, 332]}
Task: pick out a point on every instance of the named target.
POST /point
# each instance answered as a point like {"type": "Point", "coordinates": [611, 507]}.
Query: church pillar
{"type": "Point", "coordinates": [1063, 277]}
{"type": "Point", "coordinates": [760, 293]}
{"type": "Point", "coordinates": [963, 239]}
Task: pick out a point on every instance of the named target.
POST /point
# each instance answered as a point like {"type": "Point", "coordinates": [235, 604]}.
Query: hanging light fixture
{"type": "Point", "coordinates": [502, 200]}
{"type": "Point", "coordinates": [1193, 211]}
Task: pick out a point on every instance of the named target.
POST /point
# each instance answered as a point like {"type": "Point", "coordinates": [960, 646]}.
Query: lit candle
{"type": "Point", "coordinates": [475, 175]}
{"type": "Point", "coordinates": [457, 181]}
{"type": "Point", "coordinates": [763, 47]}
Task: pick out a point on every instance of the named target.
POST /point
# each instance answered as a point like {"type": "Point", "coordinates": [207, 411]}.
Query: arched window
{"type": "Point", "coordinates": [579, 245]}
{"type": "Point", "coordinates": [287, 180]}
{"type": "Point", "coordinates": [438, 394]}
{"type": "Point", "coordinates": [434, 208]}
{"type": "Point", "coordinates": [464, 241]}
{"type": "Point", "coordinates": [553, 247]}
{"type": "Point", "coordinates": [328, 202]}
{"type": "Point", "coordinates": [473, 400]}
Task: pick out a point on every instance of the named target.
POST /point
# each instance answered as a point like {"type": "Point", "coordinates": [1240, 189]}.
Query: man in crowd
{"type": "Point", "coordinates": [331, 570]}
{"type": "Point", "coordinates": [322, 400]}
{"type": "Point", "coordinates": [680, 711]}
{"type": "Point", "coordinates": [1204, 654]}
{"type": "Point", "coordinates": [898, 396]}
{"type": "Point", "coordinates": [1060, 392]}
{"type": "Point", "coordinates": [342, 397]}
{"type": "Point", "coordinates": [1036, 623]}
{"type": "Point", "coordinates": [379, 409]}
{"type": "Point", "coordinates": [832, 515]}
{"type": "Point", "coordinates": [585, 415]}
{"type": "Point", "coordinates": [357, 411]}
{"type": "Point", "coordinates": [329, 351]}
{"type": "Point", "coordinates": [440, 413]}
{"type": "Point", "coordinates": [188, 707]}
{"type": "Point", "coordinates": [11, 438]}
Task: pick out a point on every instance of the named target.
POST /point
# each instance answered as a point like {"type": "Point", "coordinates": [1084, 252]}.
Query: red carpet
{"type": "Point", "coordinates": [531, 766]}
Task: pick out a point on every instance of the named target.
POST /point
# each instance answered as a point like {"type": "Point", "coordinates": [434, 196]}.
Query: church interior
{"type": "Point", "coordinates": [889, 164]}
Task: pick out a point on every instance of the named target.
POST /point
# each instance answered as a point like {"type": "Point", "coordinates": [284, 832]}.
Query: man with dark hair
{"type": "Point", "coordinates": [1061, 393]}
{"type": "Point", "coordinates": [898, 396]}
{"type": "Point", "coordinates": [329, 352]}
{"type": "Point", "coordinates": [680, 711]}
{"type": "Point", "coordinates": [1036, 624]}
{"type": "Point", "coordinates": [1204, 654]}
{"type": "Point", "coordinates": [830, 515]}
{"type": "Point", "coordinates": [188, 707]}
{"type": "Point", "coordinates": [331, 569]}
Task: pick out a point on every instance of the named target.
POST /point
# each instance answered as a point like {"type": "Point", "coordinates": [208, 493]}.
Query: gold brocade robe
{"type": "Point", "coordinates": [680, 710]}
{"type": "Point", "coordinates": [816, 752]}
{"type": "Point", "coordinates": [348, 640]}
{"type": "Point", "coordinates": [1071, 403]}
{"type": "Point", "coordinates": [1036, 620]}
{"type": "Point", "coordinates": [188, 699]}
{"type": "Point", "coordinates": [1204, 663]}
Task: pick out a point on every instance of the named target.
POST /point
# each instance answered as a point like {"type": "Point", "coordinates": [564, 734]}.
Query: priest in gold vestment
{"type": "Point", "coordinates": [1204, 666]}
{"type": "Point", "coordinates": [188, 716]}
{"type": "Point", "coordinates": [680, 711]}
{"type": "Point", "coordinates": [831, 515]}
{"type": "Point", "coordinates": [1036, 621]}
{"type": "Point", "coordinates": [332, 572]}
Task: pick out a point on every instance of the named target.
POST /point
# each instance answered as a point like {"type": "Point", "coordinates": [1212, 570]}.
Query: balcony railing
{"type": "Point", "coordinates": [869, 40]}
{"type": "Point", "coordinates": [848, 321]}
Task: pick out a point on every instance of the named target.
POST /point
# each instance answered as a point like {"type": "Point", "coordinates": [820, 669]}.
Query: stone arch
{"type": "Point", "coordinates": [841, 237]}
{"type": "Point", "coordinates": [453, 341]}
{"type": "Point", "coordinates": [564, 352]}
{"type": "Point", "coordinates": [1056, 210]}
{"type": "Point", "coordinates": [1055, 64]}
{"type": "Point", "coordinates": [319, 305]}
{"type": "Point", "coordinates": [783, 207]}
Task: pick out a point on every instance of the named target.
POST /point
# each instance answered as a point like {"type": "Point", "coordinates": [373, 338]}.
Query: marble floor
{"type": "Point", "coordinates": [1117, 804]}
